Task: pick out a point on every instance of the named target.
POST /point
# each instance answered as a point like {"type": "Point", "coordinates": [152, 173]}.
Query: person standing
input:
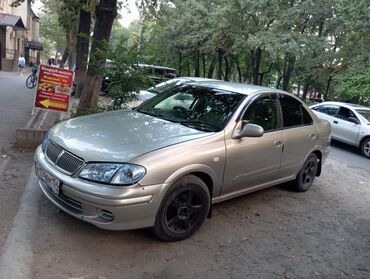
{"type": "Point", "coordinates": [21, 64]}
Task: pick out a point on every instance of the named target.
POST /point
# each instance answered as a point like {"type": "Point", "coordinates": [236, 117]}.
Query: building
{"type": "Point", "coordinates": [19, 35]}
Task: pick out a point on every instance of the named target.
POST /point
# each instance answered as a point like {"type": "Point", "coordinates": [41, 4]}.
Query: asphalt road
{"type": "Point", "coordinates": [348, 155]}
{"type": "Point", "coordinates": [273, 233]}
{"type": "Point", "coordinates": [16, 102]}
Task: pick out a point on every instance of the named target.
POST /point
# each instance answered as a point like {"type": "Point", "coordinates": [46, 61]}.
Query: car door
{"type": "Point", "coordinates": [300, 134]}
{"type": "Point", "coordinates": [344, 129]}
{"type": "Point", "coordinates": [326, 112]}
{"type": "Point", "coordinates": [254, 161]}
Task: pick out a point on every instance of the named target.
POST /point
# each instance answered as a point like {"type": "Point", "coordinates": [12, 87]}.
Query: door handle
{"type": "Point", "coordinates": [278, 142]}
{"type": "Point", "coordinates": [335, 122]}
{"type": "Point", "coordinates": [312, 136]}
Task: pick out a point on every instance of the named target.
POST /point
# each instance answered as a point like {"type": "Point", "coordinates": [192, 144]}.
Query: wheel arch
{"type": "Point", "coordinates": [206, 174]}
{"type": "Point", "coordinates": [319, 156]}
{"type": "Point", "coordinates": [363, 139]}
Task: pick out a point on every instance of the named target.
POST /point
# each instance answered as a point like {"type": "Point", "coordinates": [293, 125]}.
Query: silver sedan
{"type": "Point", "coordinates": [350, 123]}
{"type": "Point", "coordinates": [164, 164]}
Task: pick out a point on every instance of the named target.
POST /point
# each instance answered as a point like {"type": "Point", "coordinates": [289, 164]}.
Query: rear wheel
{"type": "Point", "coordinates": [183, 209]}
{"type": "Point", "coordinates": [365, 148]}
{"type": "Point", "coordinates": [307, 174]}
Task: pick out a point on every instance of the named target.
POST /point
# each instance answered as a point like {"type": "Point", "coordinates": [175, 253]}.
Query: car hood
{"type": "Point", "coordinates": [119, 136]}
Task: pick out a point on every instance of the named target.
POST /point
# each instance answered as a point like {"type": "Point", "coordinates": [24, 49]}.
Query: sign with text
{"type": "Point", "coordinates": [53, 88]}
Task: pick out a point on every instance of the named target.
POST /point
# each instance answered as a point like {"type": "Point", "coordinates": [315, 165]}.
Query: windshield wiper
{"type": "Point", "coordinates": [200, 123]}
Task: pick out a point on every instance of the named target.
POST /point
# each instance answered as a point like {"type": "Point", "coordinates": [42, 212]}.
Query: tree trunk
{"type": "Point", "coordinates": [82, 47]}
{"type": "Point", "coordinates": [64, 57]}
{"type": "Point", "coordinates": [180, 62]}
{"type": "Point", "coordinates": [240, 78]}
{"type": "Point", "coordinates": [212, 67]}
{"type": "Point", "coordinates": [306, 86]}
{"type": "Point", "coordinates": [326, 95]}
{"type": "Point", "coordinates": [197, 64]}
{"type": "Point", "coordinates": [70, 60]}
{"type": "Point", "coordinates": [219, 72]}
{"type": "Point", "coordinates": [256, 62]}
{"type": "Point", "coordinates": [288, 70]}
{"type": "Point", "coordinates": [204, 65]}
{"type": "Point", "coordinates": [188, 67]}
{"type": "Point", "coordinates": [227, 69]}
{"type": "Point", "coordinates": [106, 11]}
{"type": "Point", "coordinates": [278, 81]}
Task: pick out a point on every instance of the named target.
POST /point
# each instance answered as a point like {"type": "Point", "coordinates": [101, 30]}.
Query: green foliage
{"type": "Point", "coordinates": [52, 34]}
{"type": "Point", "coordinates": [126, 78]}
{"type": "Point", "coordinates": [354, 86]}
{"type": "Point", "coordinates": [88, 111]}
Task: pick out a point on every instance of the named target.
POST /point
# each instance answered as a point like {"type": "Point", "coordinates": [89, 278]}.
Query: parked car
{"type": "Point", "coordinates": [350, 123]}
{"type": "Point", "coordinates": [157, 74]}
{"type": "Point", "coordinates": [164, 164]}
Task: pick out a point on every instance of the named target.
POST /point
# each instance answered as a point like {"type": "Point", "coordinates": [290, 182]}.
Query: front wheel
{"type": "Point", "coordinates": [183, 209]}
{"type": "Point", "coordinates": [31, 82]}
{"type": "Point", "coordinates": [307, 174]}
{"type": "Point", "coordinates": [365, 148]}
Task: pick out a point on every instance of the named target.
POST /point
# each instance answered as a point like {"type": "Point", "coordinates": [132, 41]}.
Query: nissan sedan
{"type": "Point", "coordinates": [163, 164]}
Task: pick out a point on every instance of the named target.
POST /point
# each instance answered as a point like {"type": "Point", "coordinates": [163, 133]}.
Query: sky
{"type": "Point", "coordinates": [128, 14]}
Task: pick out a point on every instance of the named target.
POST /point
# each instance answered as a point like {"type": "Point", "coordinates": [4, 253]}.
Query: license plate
{"type": "Point", "coordinates": [50, 181]}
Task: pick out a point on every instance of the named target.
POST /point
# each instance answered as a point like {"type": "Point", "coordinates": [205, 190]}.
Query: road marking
{"type": "Point", "coordinates": [17, 256]}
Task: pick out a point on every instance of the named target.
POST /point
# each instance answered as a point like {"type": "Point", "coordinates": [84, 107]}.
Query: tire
{"type": "Point", "coordinates": [307, 174]}
{"type": "Point", "coordinates": [365, 148]}
{"type": "Point", "coordinates": [183, 209]}
{"type": "Point", "coordinates": [30, 82]}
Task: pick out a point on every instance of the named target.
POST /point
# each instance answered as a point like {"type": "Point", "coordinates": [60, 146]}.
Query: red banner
{"type": "Point", "coordinates": [53, 88]}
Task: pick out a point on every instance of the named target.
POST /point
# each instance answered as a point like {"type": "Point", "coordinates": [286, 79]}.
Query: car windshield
{"type": "Point", "coordinates": [164, 86]}
{"type": "Point", "coordinates": [365, 114]}
{"type": "Point", "coordinates": [201, 108]}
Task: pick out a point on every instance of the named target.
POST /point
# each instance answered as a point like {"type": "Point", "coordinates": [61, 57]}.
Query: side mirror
{"type": "Point", "coordinates": [250, 130]}
{"type": "Point", "coordinates": [353, 120]}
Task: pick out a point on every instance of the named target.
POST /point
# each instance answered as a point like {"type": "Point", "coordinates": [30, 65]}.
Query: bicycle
{"type": "Point", "coordinates": [31, 81]}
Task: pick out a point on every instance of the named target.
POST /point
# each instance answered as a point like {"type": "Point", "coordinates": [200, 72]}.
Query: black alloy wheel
{"type": "Point", "coordinates": [183, 209]}
{"type": "Point", "coordinates": [307, 174]}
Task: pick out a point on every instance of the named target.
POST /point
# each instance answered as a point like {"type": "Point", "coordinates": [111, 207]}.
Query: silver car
{"type": "Point", "coordinates": [350, 123]}
{"type": "Point", "coordinates": [163, 164]}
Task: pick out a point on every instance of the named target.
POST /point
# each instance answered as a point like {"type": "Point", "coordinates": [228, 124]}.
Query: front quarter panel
{"type": "Point", "coordinates": [206, 155]}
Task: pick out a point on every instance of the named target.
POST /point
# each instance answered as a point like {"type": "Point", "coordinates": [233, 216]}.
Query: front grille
{"type": "Point", "coordinates": [53, 151]}
{"type": "Point", "coordinates": [62, 158]}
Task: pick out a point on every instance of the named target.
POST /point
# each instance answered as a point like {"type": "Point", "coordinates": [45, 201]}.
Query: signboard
{"type": "Point", "coordinates": [53, 88]}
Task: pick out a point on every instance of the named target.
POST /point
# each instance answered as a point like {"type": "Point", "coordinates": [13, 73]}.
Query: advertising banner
{"type": "Point", "coordinates": [53, 88]}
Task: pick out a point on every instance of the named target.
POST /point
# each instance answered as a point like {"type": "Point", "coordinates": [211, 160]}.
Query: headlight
{"type": "Point", "coordinates": [45, 142]}
{"type": "Point", "coordinates": [115, 174]}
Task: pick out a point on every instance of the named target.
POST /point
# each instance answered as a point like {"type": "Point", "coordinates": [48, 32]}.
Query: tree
{"type": "Point", "coordinates": [105, 13]}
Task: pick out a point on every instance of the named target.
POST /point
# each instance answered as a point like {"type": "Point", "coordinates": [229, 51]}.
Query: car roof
{"type": "Point", "coordinates": [347, 105]}
{"type": "Point", "coordinates": [241, 88]}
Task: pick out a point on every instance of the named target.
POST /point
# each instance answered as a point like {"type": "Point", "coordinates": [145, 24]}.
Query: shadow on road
{"type": "Point", "coordinates": [346, 147]}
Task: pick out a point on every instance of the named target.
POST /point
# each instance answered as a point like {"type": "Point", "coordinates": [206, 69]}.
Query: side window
{"type": "Point", "coordinates": [345, 113]}
{"type": "Point", "coordinates": [294, 114]}
{"type": "Point", "coordinates": [307, 119]}
{"type": "Point", "coordinates": [329, 110]}
{"type": "Point", "coordinates": [262, 112]}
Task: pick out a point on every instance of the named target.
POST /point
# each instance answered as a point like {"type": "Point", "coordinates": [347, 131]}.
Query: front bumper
{"type": "Point", "coordinates": [107, 207]}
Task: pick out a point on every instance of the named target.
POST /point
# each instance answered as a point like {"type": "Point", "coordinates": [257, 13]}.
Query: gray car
{"type": "Point", "coordinates": [350, 123]}
{"type": "Point", "coordinates": [163, 164]}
